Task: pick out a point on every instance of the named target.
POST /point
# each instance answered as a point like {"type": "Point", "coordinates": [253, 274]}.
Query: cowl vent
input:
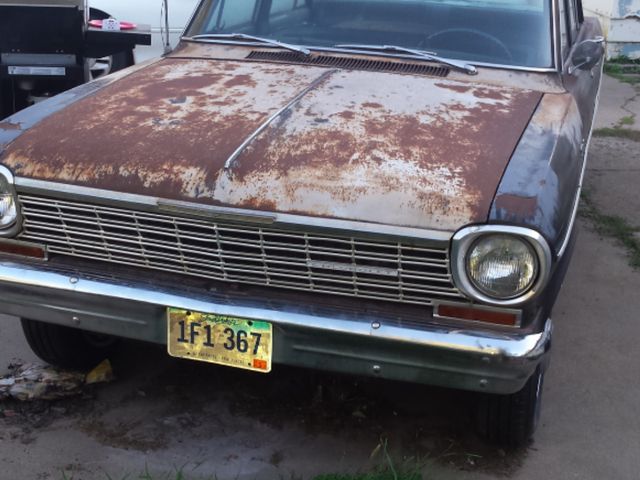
{"type": "Point", "coordinates": [350, 63]}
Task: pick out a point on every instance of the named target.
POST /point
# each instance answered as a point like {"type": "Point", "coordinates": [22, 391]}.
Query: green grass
{"type": "Point", "coordinates": [384, 474]}
{"type": "Point", "coordinates": [177, 474]}
{"type": "Point", "coordinates": [613, 226]}
{"type": "Point", "coordinates": [385, 470]}
{"type": "Point", "coordinates": [618, 132]}
{"type": "Point", "coordinates": [626, 121]}
{"type": "Point", "coordinates": [371, 476]}
{"type": "Point", "coordinates": [624, 60]}
{"type": "Point", "coordinates": [626, 74]}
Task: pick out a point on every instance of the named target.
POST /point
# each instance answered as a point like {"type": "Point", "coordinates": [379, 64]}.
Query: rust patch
{"type": "Point", "coordinates": [347, 115]}
{"type": "Point", "coordinates": [478, 92]}
{"type": "Point", "coordinates": [455, 87]}
{"type": "Point", "coordinates": [552, 112]}
{"type": "Point", "coordinates": [10, 126]}
{"type": "Point", "coordinates": [491, 93]}
{"type": "Point", "coordinates": [244, 80]}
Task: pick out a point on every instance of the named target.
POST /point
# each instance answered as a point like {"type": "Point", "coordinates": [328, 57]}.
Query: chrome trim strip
{"type": "Point", "coordinates": [64, 190]}
{"type": "Point", "coordinates": [13, 228]}
{"type": "Point", "coordinates": [108, 197]}
{"type": "Point", "coordinates": [379, 54]}
{"type": "Point", "coordinates": [462, 241]}
{"type": "Point", "coordinates": [576, 201]}
{"type": "Point", "coordinates": [215, 213]}
{"type": "Point", "coordinates": [557, 49]}
{"type": "Point", "coordinates": [232, 158]}
{"type": "Point", "coordinates": [501, 346]}
{"type": "Point", "coordinates": [6, 173]}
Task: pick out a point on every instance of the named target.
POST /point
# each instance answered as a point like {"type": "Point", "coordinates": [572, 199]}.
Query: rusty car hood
{"type": "Point", "coordinates": [404, 150]}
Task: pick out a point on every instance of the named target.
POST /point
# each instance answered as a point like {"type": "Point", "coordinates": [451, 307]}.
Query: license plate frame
{"type": "Point", "coordinates": [220, 339]}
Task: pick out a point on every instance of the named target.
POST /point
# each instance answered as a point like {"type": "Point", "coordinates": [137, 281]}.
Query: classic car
{"type": "Point", "coordinates": [373, 187]}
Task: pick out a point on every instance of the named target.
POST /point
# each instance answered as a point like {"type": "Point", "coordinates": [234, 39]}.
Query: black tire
{"type": "Point", "coordinates": [67, 347]}
{"type": "Point", "coordinates": [109, 64]}
{"type": "Point", "coordinates": [511, 420]}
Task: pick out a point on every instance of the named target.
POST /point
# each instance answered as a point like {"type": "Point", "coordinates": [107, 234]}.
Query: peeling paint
{"type": "Point", "coordinates": [404, 152]}
{"type": "Point", "coordinates": [365, 146]}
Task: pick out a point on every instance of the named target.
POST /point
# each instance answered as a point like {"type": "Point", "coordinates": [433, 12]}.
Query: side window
{"type": "Point", "coordinates": [282, 6]}
{"type": "Point", "coordinates": [236, 14]}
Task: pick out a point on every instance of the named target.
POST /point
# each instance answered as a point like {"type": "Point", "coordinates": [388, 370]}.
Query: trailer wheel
{"type": "Point", "coordinates": [511, 420]}
{"type": "Point", "coordinates": [65, 346]}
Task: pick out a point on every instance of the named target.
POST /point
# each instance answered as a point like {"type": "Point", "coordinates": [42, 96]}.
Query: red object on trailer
{"type": "Point", "coordinates": [123, 25]}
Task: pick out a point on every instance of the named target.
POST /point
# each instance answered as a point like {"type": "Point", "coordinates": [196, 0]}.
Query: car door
{"type": "Point", "coordinates": [582, 84]}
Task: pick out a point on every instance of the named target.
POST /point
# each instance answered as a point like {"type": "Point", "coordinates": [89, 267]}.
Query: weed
{"type": "Point", "coordinates": [624, 60]}
{"type": "Point", "coordinates": [109, 477]}
{"type": "Point", "coordinates": [177, 474]}
{"type": "Point", "coordinates": [387, 470]}
{"type": "Point", "coordinates": [628, 120]}
{"type": "Point", "coordinates": [626, 74]}
{"type": "Point", "coordinates": [613, 226]}
{"type": "Point", "coordinates": [370, 476]}
{"type": "Point", "coordinates": [618, 133]}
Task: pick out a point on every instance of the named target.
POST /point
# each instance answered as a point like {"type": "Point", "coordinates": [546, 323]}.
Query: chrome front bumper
{"type": "Point", "coordinates": [496, 362]}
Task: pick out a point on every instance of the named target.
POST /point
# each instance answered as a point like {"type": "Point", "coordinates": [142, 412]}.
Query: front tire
{"type": "Point", "coordinates": [511, 420]}
{"type": "Point", "coordinates": [65, 346]}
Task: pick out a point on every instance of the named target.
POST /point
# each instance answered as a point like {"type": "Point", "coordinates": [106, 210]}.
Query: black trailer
{"type": "Point", "coordinates": [48, 46]}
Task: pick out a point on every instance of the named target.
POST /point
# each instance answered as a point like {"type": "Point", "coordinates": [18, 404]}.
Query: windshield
{"type": "Point", "coordinates": [508, 32]}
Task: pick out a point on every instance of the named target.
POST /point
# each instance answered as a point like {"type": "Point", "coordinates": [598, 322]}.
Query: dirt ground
{"type": "Point", "coordinates": [164, 415]}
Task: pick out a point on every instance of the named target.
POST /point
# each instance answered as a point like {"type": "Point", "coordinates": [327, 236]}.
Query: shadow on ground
{"type": "Point", "coordinates": [159, 403]}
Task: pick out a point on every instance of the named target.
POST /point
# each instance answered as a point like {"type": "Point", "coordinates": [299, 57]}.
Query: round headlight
{"type": "Point", "coordinates": [8, 208]}
{"type": "Point", "coordinates": [502, 266]}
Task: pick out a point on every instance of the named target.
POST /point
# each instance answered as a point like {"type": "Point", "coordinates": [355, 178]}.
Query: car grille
{"type": "Point", "coordinates": [292, 259]}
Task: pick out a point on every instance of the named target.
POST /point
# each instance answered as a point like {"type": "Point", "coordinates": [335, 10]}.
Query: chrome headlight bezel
{"type": "Point", "coordinates": [12, 228]}
{"type": "Point", "coordinates": [466, 238]}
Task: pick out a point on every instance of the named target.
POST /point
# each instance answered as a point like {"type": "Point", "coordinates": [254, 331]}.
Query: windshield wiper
{"type": "Point", "coordinates": [465, 67]}
{"type": "Point", "coordinates": [244, 36]}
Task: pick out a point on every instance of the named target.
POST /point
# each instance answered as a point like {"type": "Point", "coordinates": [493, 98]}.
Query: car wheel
{"type": "Point", "coordinates": [65, 346]}
{"type": "Point", "coordinates": [100, 67]}
{"type": "Point", "coordinates": [511, 420]}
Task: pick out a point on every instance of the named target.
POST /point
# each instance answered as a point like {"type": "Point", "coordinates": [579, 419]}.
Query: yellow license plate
{"type": "Point", "coordinates": [209, 337]}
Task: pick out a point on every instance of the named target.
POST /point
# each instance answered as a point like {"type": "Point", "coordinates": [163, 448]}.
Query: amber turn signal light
{"type": "Point", "coordinates": [459, 312]}
{"type": "Point", "coordinates": [23, 249]}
